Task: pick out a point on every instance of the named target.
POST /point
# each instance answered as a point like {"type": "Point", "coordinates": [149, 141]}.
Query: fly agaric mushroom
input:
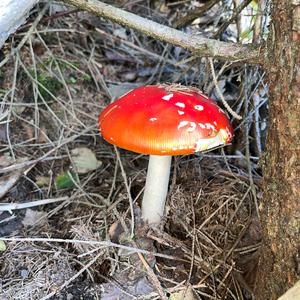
{"type": "Point", "coordinates": [162, 121]}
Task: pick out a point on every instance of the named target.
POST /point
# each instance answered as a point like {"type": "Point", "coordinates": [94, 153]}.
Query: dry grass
{"type": "Point", "coordinates": [52, 90]}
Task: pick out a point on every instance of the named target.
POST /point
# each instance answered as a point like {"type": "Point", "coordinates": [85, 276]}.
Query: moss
{"type": "Point", "coordinates": [48, 85]}
{"type": "Point", "coordinates": [87, 78]}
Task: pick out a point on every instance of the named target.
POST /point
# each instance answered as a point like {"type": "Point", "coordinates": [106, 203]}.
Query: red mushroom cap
{"type": "Point", "coordinates": [165, 120]}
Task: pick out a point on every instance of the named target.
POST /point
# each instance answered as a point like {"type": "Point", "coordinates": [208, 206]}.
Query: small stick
{"type": "Point", "coordinates": [97, 243]}
{"type": "Point", "coordinates": [44, 157]}
{"type": "Point", "coordinates": [230, 110]}
{"type": "Point", "coordinates": [50, 18]}
{"type": "Point", "coordinates": [256, 100]}
{"type": "Point", "coordinates": [128, 191]}
{"type": "Point", "coordinates": [152, 277]}
{"type": "Point", "coordinates": [15, 206]}
{"type": "Point", "coordinates": [24, 39]}
{"type": "Point", "coordinates": [236, 13]}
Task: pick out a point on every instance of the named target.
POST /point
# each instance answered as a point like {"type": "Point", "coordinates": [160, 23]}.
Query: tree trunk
{"type": "Point", "coordinates": [280, 212]}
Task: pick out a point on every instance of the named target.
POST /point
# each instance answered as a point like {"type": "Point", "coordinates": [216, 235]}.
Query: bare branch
{"type": "Point", "coordinates": [197, 45]}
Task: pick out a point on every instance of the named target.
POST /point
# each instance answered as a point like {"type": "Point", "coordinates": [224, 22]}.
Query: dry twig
{"type": "Point", "coordinates": [198, 45]}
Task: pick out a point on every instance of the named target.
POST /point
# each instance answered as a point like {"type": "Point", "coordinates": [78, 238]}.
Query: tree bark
{"type": "Point", "coordinates": [280, 212]}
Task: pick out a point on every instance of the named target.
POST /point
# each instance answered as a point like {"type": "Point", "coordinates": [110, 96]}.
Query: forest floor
{"type": "Point", "coordinates": [53, 88]}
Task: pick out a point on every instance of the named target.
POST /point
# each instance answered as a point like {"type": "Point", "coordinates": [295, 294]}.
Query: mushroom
{"type": "Point", "coordinates": [162, 121]}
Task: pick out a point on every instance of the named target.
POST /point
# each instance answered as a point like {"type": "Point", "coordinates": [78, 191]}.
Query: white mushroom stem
{"type": "Point", "coordinates": [156, 189]}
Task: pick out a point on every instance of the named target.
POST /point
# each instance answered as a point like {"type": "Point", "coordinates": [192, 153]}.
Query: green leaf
{"type": "Point", "coordinates": [72, 79]}
{"type": "Point", "coordinates": [87, 77]}
{"type": "Point", "coordinates": [2, 246]}
{"type": "Point", "coordinates": [246, 34]}
{"type": "Point", "coordinates": [65, 180]}
{"type": "Point", "coordinates": [254, 5]}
